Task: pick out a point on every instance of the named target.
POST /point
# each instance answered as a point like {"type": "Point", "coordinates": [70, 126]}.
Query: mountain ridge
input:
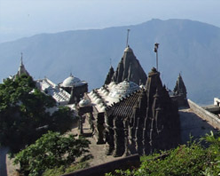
{"type": "Point", "coordinates": [186, 46]}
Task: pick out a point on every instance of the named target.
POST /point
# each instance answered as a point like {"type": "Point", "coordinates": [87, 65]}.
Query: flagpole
{"type": "Point", "coordinates": [128, 30]}
{"type": "Point", "coordinates": [156, 46]}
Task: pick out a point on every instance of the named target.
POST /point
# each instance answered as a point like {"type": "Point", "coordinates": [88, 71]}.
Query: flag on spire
{"type": "Point", "coordinates": [156, 46]}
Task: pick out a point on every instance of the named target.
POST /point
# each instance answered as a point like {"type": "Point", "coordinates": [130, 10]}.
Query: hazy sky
{"type": "Point", "coordinates": [20, 18]}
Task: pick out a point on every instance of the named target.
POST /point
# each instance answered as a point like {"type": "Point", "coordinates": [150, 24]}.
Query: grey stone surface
{"type": "Point", "coordinates": [192, 124]}
{"type": "Point", "coordinates": [3, 168]}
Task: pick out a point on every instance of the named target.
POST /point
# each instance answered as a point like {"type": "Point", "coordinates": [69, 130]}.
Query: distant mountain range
{"type": "Point", "coordinates": [188, 47]}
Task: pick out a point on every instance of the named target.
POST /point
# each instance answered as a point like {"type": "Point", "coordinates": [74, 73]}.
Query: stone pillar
{"type": "Point", "coordinates": [119, 137]}
{"type": "Point", "coordinates": [151, 141]}
{"type": "Point", "coordinates": [109, 141]}
{"type": "Point", "coordinates": [80, 125]}
{"type": "Point", "coordinates": [136, 135]}
{"type": "Point", "coordinates": [100, 128]}
{"type": "Point", "coordinates": [131, 135]}
{"type": "Point", "coordinates": [144, 139]}
{"type": "Point", "coordinates": [91, 122]}
{"type": "Point", "coordinates": [109, 135]}
{"type": "Point", "coordinates": [125, 123]}
{"type": "Point", "coordinates": [139, 137]}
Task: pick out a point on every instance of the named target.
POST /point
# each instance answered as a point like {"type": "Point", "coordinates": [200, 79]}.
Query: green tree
{"type": "Point", "coordinates": [24, 114]}
{"type": "Point", "coordinates": [50, 151]}
{"type": "Point", "coordinates": [61, 121]}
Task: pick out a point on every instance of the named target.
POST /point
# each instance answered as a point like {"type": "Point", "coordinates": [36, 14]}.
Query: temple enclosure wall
{"type": "Point", "coordinates": [100, 170]}
{"type": "Point", "coordinates": [212, 119]}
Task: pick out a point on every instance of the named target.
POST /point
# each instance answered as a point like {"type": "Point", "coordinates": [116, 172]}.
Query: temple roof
{"type": "Point", "coordinates": [111, 93]}
{"type": "Point", "coordinates": [109, 75]}
{"type": "Point", "coordinates": [21, 69]}
{"type": "Point", "coordinates": [61, 96]}
{"type": "Point", "coordinates": [129, 68]}
{"type": "Point", "coordinates": [124, 108]}
{"type": "Point", "coordinates": [123, 89]}
{"type": "Point", "coordinates": [180, 87]}
{"type": "Point", "coordinates": [72, 81]}
{"type": "Point", "coordinates": [128, 49]}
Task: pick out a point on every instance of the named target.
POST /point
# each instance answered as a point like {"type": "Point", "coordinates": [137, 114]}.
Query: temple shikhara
{"type": "Point", "coordinates": [131, 113]}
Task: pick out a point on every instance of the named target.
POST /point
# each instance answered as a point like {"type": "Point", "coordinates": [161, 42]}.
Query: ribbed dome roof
{"type": "Point", "coordinates": [84, 102]}
{"type": "Point", "coordinates": [71, 81]}
{"type": "Point", "coordinates": [124, 88]}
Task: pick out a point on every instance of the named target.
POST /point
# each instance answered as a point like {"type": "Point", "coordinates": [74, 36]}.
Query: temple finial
{"type": "Point", "coordinates": [128, 30]}
{"type": "Point", "coordinates": [21, 58]}
{"type": "Point", "coordinates": [156, 46]}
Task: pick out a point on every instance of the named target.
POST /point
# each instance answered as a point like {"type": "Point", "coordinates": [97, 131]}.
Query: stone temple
{"type": "Point", "coordinates": [67, 93]}
{"type": "Point", "coordinates": [130, 118]}
{"type": "Point", "coordinates": [75, 87]}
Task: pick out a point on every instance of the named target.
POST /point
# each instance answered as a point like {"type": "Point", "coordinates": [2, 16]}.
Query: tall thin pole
{"type": "Point", "coordinates": [21, 61]}
{"type": "Point", "coordinates": [156, 46]}
{"type": "Point", "coordinates": [157, 59]}
{"type": "Point", "coordinates": [21, 56]}
{"type": "Point", "coordinates": [128, 30]}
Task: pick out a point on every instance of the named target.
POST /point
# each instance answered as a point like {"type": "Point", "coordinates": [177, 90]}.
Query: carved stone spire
{"type": "Point", "coordinates": [153, 84]}
{"type": "Point", "coordinates": [129, 68]}
{"type": "Point", "coordinates": [22, 69]}
{"type": "Point", "coordinates": [109, 75]}
{"type": "Point", "coordinates": [180, 87]}
{"type": "Point", "coordinates": [180, 93]}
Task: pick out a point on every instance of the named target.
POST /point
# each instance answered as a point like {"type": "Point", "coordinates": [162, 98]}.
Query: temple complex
{"type": "Point", "coordinates": [68, 93]}
{"type": "Point", "coordinates": [131, 113]}
{"type": "Point", "coordinates": [75, 87]}
{"type": "Point", "coordinates": [132, 119]}
{"type": "Point", "coordinates": [48, 87]}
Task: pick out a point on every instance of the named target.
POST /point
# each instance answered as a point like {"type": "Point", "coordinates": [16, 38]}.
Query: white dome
{"type": "Point", "coordinates": [102, 109]}
{"type": "Point", "coordinates": [84, 102]}
{"type": "Point", "coordinates": [98, 101]}
{"type": "Point", "coordinates": [112, 84]}
{"type": "Point", "coordinates": [105, 93]}
{"type": "Point", "coordinates": [124, 88]}
{"type": "Point", "coordinates": [71, 81]}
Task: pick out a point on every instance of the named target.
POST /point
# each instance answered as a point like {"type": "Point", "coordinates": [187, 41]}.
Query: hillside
{"type": "Point", "coordinates": [189, 47]}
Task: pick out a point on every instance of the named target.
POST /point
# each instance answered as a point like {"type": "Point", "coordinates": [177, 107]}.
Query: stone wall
{"type": "Point", "coordinates": [212, 119]}
{"type": "Point", "coordinates": [100, 170]}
